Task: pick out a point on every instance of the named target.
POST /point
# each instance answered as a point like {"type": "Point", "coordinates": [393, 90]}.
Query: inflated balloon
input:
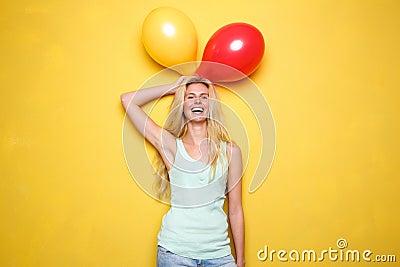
{"type": "Point", "coordinates": [237, 45]}
{"type": "Point", "coordinates": [169, 36]}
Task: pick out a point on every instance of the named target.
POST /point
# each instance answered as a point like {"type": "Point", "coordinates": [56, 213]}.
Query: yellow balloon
{"type": "Point", "coordinates": [169, 36]}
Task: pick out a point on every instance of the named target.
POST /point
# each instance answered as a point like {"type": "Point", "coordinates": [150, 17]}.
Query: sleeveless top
{"type": "Point", "coordinates": [196, 225]}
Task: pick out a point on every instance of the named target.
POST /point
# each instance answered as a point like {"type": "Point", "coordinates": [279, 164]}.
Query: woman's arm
{"type": "Point", "coordinates": [235, 209]}
{"type": "Point", "coordinates": [161, 139]}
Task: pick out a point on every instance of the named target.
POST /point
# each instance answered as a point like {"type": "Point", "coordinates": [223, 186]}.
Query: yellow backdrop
{"type": "Point", "coordinates": [330, 75]}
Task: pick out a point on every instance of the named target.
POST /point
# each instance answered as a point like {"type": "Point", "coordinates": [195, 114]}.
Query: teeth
{"type": "Point", "coordinates": [197, 109]}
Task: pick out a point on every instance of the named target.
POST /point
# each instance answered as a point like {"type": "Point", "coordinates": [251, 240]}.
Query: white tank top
{"type": "Point", "coordinates": [196, 225]}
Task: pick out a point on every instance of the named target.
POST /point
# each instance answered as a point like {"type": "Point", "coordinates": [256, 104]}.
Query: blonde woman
{"type": "Point", "coordinates": [198, 167]}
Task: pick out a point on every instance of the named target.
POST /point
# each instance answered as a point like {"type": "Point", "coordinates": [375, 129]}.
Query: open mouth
{"type": "Point", "coordinates": [197, 110]}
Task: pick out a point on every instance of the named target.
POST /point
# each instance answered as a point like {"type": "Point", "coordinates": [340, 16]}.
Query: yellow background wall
{"type": "Point", "coordinates": [330, 75]}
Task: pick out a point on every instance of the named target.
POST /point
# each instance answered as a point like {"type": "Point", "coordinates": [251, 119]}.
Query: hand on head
{"type": "Point", "coordinates": [178, 82]}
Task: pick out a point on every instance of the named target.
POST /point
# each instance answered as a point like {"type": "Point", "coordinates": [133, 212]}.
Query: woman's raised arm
{"type": "Point", "coordinates": [161, 139]}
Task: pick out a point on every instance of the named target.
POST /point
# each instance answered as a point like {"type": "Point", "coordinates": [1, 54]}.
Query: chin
{"type": "Point", "coordinates": [198, 119]}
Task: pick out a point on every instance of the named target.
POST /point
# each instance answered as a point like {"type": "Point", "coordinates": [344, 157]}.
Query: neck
{"type": "Point", "coordinates": [196, 132]}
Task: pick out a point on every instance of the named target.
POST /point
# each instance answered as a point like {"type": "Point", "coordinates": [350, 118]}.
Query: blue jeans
{"type": "Point", "coordinates": [166, 258]}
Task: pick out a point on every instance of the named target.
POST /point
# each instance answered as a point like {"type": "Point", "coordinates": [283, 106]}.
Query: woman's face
{"type": "Point", "coordinates": [196, 105]}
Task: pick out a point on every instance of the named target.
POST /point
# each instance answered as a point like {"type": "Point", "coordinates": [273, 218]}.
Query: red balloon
{"type": "Point", "coordinates": [240, 46]}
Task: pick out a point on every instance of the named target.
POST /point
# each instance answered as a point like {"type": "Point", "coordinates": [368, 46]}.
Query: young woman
{"type": "Point", "coordinates": [198, 166]}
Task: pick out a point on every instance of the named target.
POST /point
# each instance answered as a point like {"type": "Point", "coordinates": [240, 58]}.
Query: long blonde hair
{"type": "Point", "coordinates": [176, 124]}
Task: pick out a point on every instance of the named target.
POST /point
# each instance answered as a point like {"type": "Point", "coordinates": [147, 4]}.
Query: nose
{"type": "Point", "coordinates": [197, 100]}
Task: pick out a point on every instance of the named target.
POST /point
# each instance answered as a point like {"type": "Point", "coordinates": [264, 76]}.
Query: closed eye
{"type": "Point", "coordinates": [201, 96]}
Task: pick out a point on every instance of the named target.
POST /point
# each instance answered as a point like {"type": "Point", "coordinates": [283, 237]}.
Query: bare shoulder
{"type": "Point", "coordinates": [233, 151]}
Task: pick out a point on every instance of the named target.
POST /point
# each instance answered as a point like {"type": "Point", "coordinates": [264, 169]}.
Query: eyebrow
{"type": "Point", "coordinates": [199, 94]}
